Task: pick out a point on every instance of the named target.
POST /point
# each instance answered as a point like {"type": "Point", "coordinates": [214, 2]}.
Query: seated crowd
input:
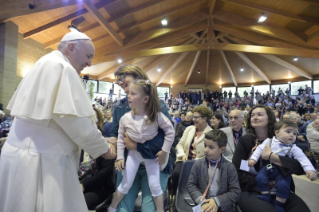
{"type": "Point", "coordinates": [217, 131]}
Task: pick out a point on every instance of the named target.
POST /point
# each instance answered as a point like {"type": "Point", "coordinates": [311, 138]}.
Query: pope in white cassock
{"type": "Point", "coordinates": [53, 118]}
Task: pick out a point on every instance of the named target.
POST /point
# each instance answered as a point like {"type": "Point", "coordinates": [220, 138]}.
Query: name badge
{"type": "Point", "coordinates": [197, 208]}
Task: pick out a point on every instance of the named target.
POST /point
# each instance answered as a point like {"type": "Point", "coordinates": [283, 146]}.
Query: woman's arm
{"type": "Point", "coordinates": [242, 152]}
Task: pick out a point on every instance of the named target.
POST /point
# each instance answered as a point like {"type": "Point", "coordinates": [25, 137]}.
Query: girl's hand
{"type": "Point", "coordinates": [161, 157]}
{"type": "Point", "coordinates": [120, 165]}
{"type": "Point", "coordinates": [184, 158]}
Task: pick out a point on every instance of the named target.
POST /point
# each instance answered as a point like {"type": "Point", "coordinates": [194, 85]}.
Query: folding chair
{"type": "Point", "coordinates": [180, 204]}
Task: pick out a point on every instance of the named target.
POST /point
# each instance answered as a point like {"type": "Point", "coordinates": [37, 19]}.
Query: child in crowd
{"type": "Point", "coordinates": [141, 124]}
{"type": "Point", "coordinates": [283, 145]}
{"type": "Point", "coordinates": [213, 180]}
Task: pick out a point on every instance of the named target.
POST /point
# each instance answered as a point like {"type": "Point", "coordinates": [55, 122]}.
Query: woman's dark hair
{"type": "Point", "coordinates": [219, 116]}
{"type": "Point", "coordinates": [271, 121]}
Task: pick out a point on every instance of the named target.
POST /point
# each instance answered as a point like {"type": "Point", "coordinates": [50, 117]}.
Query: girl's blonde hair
{"type": "Point", "coordinates": [153, 105]}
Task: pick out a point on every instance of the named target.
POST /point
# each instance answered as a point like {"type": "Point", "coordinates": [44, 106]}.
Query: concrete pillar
{"type": "Point", "coordinates": [8, 61]}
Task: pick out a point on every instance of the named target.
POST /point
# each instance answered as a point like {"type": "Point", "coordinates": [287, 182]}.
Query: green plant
{"type": "Point", "coordinates": [91, 90]}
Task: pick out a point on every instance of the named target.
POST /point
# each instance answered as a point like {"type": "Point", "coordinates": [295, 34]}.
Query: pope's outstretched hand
{"type": "Point", "coordinates": [111, 154]}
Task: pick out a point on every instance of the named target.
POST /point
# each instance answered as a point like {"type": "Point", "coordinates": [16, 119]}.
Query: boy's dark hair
{"type": "Point", "coordinates": [183, 113]}
{"type": "Point", "coordinates": [285, 123]}
{"type": "Point", "coordinates": [217, 136]}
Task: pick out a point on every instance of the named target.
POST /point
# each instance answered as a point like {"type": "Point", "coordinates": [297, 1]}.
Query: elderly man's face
{"type": "Point", "coordinates": [236, 120]}
{"type": "Point", "coordinates": [314, 116]}
{"type": "Point", "coordinates": [1, 116]}
{"type": "Point", "coordinates": [81, 54]}
{"type": "Point", "coordinates": [189, 116]}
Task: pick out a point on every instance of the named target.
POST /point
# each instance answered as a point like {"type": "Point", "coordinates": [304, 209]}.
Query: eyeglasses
{"type": "Point", "coordinates": [120, 78]}
{"type": "Point", "coordinates": [196, 117]}
{"type": "Point", "coordinates": [234, 117]}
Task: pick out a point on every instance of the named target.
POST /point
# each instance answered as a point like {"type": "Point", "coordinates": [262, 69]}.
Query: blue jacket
{"type": "Point", "coordinates": [149, 149]}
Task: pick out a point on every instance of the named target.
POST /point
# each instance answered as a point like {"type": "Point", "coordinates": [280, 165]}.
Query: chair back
{"type": "Point", "coordinates": [180, 204]}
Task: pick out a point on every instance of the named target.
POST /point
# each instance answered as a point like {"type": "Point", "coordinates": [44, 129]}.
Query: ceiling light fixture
{"type": "Point", "coordinates": [295, 58]}
{"type": "Point", "coordinates": [198, 71]}
{"type": "Point", "coordinates": [242, 69]}
{"type": "Point", "coordinates": [252, 85]}
{"type": "Point", "coordinates": [171, 86]}
{"type": "Point", "coordinates": [288, 82]}
{"type": "Point", "coordinates": [164, 21]}
{"type": "Point", "coordinates": [159, 70]}
{"type": "Point", "coordinates": [119, 60]}
{"type": "Point", "coordinates": [262, 18]}
{"type": "Point", "coordinates": [220, 86]}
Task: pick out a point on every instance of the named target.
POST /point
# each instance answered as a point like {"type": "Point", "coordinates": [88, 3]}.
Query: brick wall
{"type": "Point", "coordinates": [17, 56]}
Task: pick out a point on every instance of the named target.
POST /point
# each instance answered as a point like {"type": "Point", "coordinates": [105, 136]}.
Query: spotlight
{"type": "Point", "coordinates": [159, 70]}
{"type": "Point", "coordinates": [252, 85]}
{"type": "Point", "coordinates": [73, 28]}
{"type": "Point", "coordinates": [198, 71]}
{"type": "Point", "coordinates": [242, 69]}
{"type": "Point", "coordinates": [295, 58]}
{"type": "Point", "coordinates": [220, 86]}
{"type": "Point", "coordinates": [262, 18]}
{"type": "Point", "coordinates": [164, 21]}
{"type": "Point", "coordinates": [119, 60]}
{"type": "Point", "coordinates": [288, 82]}
{"type": "Point", "coordinates": [171, 86]}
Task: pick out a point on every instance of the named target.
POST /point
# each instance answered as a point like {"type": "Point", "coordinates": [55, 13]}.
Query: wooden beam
{"type": "Point", "coordinates": [220, 35]}
{"type": "Point", "coordinates": [54, 23]}
{"type": "Point", "coordinates": [222, 54]}
{"type": "Point", "coordinates": [280, 61]}
{"type": "Point", "coordinates": [177, 62]}
{"type": "Point", "coordinates": [207, 66]}
{"type": "Point", "coordinates": [102, 21]}
{"type": "Point", "coordinates": [220, 46]}
{"type": "Point", "coordinates": [251, 64]}
{"type": "Point", "coordinates": [273, 11]}
{"type": "Point", "coordinates": [210, 31]}
{"type": "Point", "coordinates": [165, 13]}
{"type": "Point", "coordinates": [211, 7]}
{"type": "Point", "coordinates": [194, 36]}
{"type": "Point", "coordinates": [264, 28]}
{"type": "Point", "coordinates": [10, 9]}
{"type": "Point", "coordinates": [134, 10]}
{"type": "Point", "coordinates": [192, 67]}
{"type": "Point", "coordinates": [313, 36]}
{"type": "Point", "coordinates": [310, 2]}
{"type": "Point", "coordinates": [255, 37]}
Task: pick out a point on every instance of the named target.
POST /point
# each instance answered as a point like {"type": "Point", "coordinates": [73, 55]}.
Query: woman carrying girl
{"type": "Point", "coordinates": [141, 124]}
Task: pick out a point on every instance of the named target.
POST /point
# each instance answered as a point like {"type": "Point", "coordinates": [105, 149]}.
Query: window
{"type": "Point", "coordinates": [227, 89]}
{"type": "Point", "coordinates": [262, 89]}
{"type": "Point", "coordinates": [162, 90]}
{"type": "Point", "coordinates": [316, 86]}
{"type": "Point", "coordinates": [117, 91]}
{"type": "Point", "coordinates": [104, 87]}
{"type": "Point", "coordinates": [88, 86]}
{"type": "Point", "coordinates": [295, 86]}
{"type": "Point", "coordinates": [283, 87]}
{"type": "Point", "coordinates": [242, 89]}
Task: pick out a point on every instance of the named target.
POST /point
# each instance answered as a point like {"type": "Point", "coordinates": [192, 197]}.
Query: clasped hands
{"type": "Point", "coordinates": [209, 205]}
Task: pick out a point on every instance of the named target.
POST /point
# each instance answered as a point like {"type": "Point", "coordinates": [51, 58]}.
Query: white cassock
{"type": "Point", "coordinates": [39, 161]}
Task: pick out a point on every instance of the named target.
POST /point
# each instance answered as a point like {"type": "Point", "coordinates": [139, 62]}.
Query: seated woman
{"type": "Point", "coordinates": [96, 176]}
{"type": "Point", "coordinates": [191, 145]}
{"type": "Point", "coordinates": [217, 121]}
{"type": "Point", "coordinates": [301, 140]}
{"type": "Point", "coordinates": [260, 126]}
{"type": "Point", "coordinates": [313, 135]}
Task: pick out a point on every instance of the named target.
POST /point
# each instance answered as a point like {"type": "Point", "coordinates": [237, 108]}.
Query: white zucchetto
{"type": "Point", "coordinates": [75, 36]}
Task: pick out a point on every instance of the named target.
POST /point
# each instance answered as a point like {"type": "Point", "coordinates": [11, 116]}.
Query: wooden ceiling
{"type": "Point", "coordinates": [217, 37]}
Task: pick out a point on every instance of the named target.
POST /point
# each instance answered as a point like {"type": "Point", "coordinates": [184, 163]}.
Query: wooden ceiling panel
{"type": "Point", "coordinates": [309, 65]}
{"type": "Point", "coordinates": [271, 69]}
{"type": "Point", "coordinates": [181, 71]}
{"type": "Point", "coordinates": [248, 75]}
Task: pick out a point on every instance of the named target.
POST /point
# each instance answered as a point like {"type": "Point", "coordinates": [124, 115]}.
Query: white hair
{"type": "Point", "coordinates": [2, 113]}
{"type": "Point", "coordinates": [64, 44]}
{"type": "Point", "coordinates": [242, 114]}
